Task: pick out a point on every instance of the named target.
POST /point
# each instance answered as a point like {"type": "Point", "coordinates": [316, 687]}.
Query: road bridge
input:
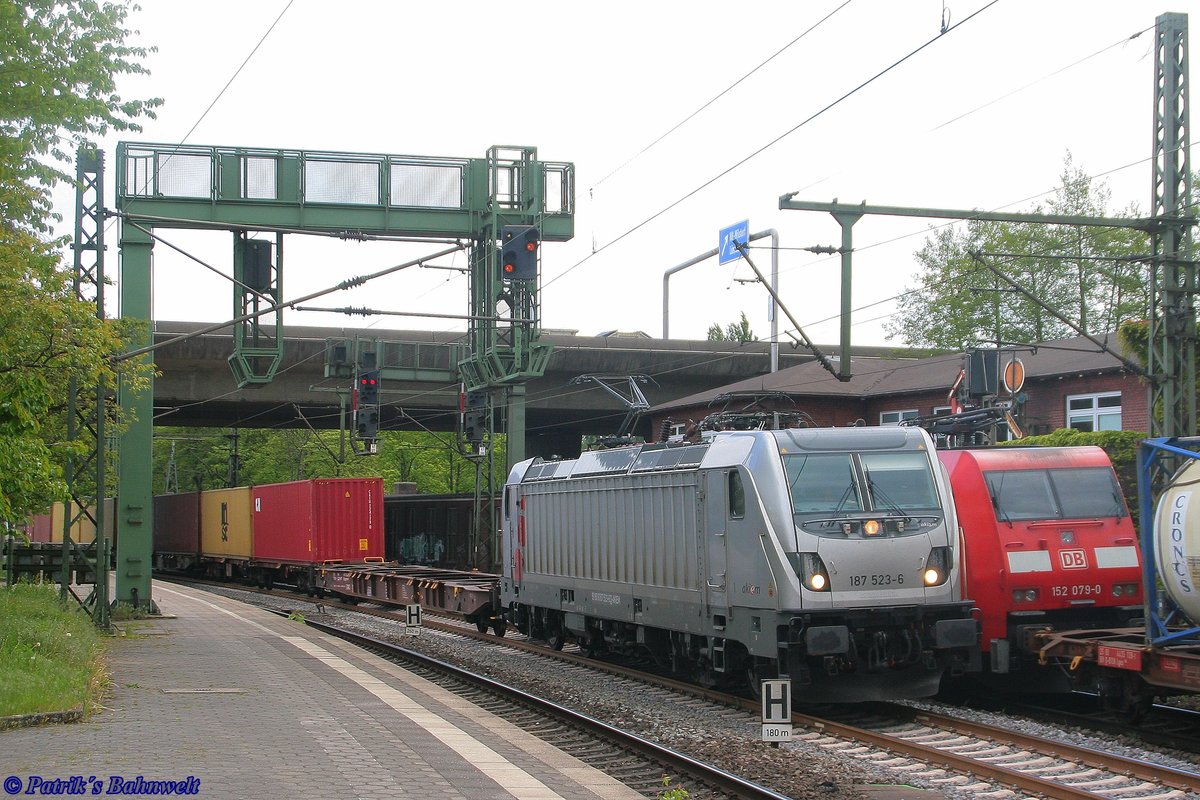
{"type": "Point", "coordinates": [198, 388]}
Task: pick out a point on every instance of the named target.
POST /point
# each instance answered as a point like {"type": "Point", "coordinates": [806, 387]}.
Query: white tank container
{"type": "Point", "coordinates": [1177, 540]}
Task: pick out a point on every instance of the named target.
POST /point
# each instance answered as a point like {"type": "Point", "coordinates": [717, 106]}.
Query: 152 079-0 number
{"type": "Point", "coordinates": [1083, 590]}
{"type": "Point", "coordinates": [876, 580]}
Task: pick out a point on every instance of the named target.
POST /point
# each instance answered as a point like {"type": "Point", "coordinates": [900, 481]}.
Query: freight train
{"type": "Point", "coordinates": [1050, 545]}
{"type": "Point", "coordinates": [322, 536]}
{"type": "Point", "coordinates": [282, 532]}
{"type": "Point", "coordinates": [827, 555]}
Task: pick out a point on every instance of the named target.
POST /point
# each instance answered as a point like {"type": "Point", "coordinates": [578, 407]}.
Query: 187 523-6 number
{"type": "Point", "coordinates": [858, 581]}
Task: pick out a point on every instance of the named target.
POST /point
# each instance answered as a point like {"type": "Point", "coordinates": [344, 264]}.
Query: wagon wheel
{"type": "Point", "coordinates": [1127, 696]}
{"type": "Point", "coordinates": [481, 624]}
{"type": "Point", "coordinates": [499, 626]}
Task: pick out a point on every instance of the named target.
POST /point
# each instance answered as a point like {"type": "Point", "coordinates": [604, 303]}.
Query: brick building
{"type": "Point", "coordinates": [1068, 383]}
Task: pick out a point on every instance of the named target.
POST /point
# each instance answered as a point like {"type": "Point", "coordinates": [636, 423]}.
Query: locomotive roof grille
{"type": "Point", "coordinates": [646, 458]}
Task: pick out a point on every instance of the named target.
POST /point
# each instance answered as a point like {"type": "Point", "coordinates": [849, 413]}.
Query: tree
{"type": "Point", "coordinates": [58, 89]}
{"type": "Point", "coordinates": [1091, 276]}
{"type": "Point", "coordinates": [734, 331]}
{"type": "Point", "coordinates": [276, 456]}
{"type": "Point", "coordinates": [57, 81]}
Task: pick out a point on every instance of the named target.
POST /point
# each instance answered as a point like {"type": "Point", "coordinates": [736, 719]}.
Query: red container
{"type": "Point", "coordinates": [177, 523]}
{"type": "Point", "coordinates": [39, 528]}
{"type": "Point", "coordinates": [320, 520]}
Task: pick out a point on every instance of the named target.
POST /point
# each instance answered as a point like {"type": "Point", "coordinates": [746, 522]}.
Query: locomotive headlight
{"type": "Point", "coordinates": [937, 566]}
{"type": "Point", "coordinates": [813, 573]}
{"type": "Point", "coordinates": [871, 527]}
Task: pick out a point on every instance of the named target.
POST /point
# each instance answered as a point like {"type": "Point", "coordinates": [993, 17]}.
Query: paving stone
{"type": "Point", "coordinates": [256, 706]}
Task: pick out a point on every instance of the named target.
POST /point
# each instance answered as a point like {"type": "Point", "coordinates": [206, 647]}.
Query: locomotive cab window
{"type": "Point", "coordinates": [899, 481]}
{"type": "Point", "coordinates": [1047, 494]}
{"type": "Point", "coordinates": [838, 485]}
{"type": "Point", "coordinates": [822, 483]}
{"type": "Point", "coordinates": [737, 496]}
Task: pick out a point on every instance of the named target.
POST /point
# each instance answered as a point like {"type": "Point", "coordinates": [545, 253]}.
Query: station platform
{"type": "Point", "coordinates": [225, 700]}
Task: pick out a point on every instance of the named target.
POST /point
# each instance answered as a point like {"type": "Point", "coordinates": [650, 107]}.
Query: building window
{"type": "Point", "coordinates": [894, 417]}
{"type": "Point", "coordinates": [941, 411]}
{"type": "Point", "coordinates": [1094, 412]}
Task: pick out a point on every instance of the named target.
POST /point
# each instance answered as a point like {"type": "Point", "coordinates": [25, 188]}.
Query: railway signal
{"type": "Point", "coordinates": [366, 409]}
{"type": "Point", "coordinates": [518, 252]}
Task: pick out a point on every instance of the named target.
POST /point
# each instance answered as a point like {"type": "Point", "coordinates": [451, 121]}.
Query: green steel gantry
{"type": "Point", "coordinates": [358, 196]}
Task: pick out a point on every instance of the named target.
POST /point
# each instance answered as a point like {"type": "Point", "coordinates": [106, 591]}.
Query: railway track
{"type": "Point", "coordinates": [635, 761]}
{"type": "Point", "coordinates": [1163, 726]}
{"type": "Point", "coordinates": [917, 745]}
{"type": "Point", "coordinates": [997, 755]}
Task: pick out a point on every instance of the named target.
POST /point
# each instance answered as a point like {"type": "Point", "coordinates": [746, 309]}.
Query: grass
{"type": "Point", "coordinates": [51, 656]}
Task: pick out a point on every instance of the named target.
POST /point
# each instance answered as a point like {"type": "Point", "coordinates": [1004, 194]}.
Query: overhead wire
{"type": "Point", "coordinates": [720, 94]}
{"type": "Point", "coordinates": [768, 145]}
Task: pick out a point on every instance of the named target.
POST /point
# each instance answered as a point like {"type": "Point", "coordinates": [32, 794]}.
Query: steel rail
{"type": "Point", "coordinates": [1168, 776]}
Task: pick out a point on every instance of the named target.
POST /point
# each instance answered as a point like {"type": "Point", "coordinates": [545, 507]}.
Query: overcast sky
{"type": "Point", "coordinates": [982, 117]}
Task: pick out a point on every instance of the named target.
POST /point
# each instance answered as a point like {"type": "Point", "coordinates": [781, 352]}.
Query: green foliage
{"type": "Point", "coordinates": [58, 75]}
{"type": "Point", "coordinates": [58, 89]}
{"type": "Point", "coordinates": [734, 332]}
{"type": "Point", "coordinates": [1121, 446]}
{"type": "Point", "coordinates": [678, 793]}
{"type": "Point", "coordinates": [276, 456]}
{"type": "Point", "coordinates": [296, 616]}
{"type": "Point", "coordinates": [956, 305]}
{"type": "Point", "coordinates": [123, 612]}
{"type": "Point", "coordinates": [51, 656]}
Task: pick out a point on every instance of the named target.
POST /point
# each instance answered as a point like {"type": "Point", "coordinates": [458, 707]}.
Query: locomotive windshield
{"type": "Point", "coordinates": [1046, 494]}
{"type": "Point", "coordinates": [836, 483]}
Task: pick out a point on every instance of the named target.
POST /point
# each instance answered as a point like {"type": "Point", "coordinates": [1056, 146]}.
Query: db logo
{"type": "Point", "coordinates": [1072, 559]}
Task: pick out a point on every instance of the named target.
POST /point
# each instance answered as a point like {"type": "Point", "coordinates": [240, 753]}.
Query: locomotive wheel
{"type": "Point", "coordinates": [593, 645]}
{"type": "Point", "coordinates": [757, 671]}
{"type": "Point", "coordinates": [556, 637]}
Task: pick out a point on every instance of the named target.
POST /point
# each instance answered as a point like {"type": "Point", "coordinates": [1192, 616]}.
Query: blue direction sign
{"type": "Point", "coordinates": [730, 237]}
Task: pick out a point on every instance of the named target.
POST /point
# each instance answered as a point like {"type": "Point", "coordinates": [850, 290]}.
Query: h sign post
{"type": "Point", "coordinates": [412, 619]}
{"type": "Point", "coordinates": [777, 710]}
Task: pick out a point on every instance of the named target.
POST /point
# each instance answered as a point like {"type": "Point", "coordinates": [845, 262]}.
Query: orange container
{"type": "Point", "coordinates": [225, 527]}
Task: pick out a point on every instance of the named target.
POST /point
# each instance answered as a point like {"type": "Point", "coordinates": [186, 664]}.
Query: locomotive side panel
{"type": "Point", "coordinates": [610, 543]}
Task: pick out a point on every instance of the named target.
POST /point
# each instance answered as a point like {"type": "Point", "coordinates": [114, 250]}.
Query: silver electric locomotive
{"type": "Point", "coordinates": [827, 555]}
